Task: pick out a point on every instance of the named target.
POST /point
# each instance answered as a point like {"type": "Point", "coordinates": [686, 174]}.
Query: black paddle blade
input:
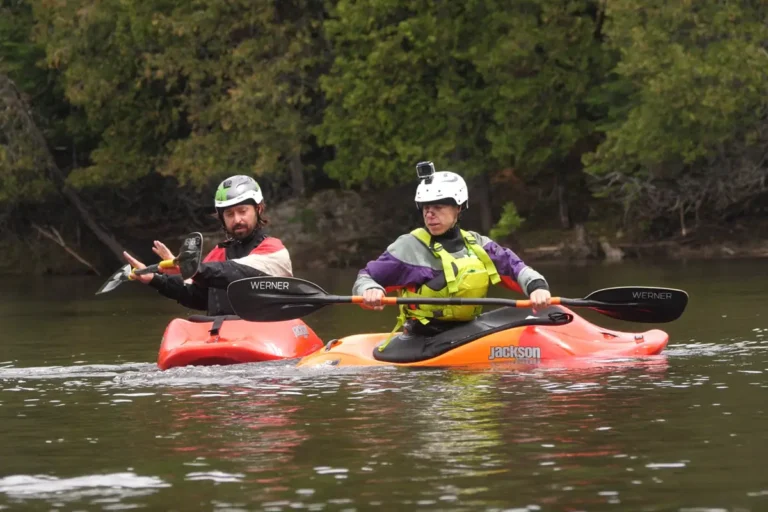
{"type": "Point", "coordinates": [188, 260]}
{"type": "Point", "coordinates": [273, 299]}
{"type": "Point", "coordinates": [640, 303]}
{"type": "Point", "coordinates": [190, 255]}
{"type": "Point", "coordinates": [116, 279]}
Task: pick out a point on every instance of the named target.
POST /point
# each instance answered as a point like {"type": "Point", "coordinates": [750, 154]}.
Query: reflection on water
{"type": "Point", "coordinates": [90, 422]}
{"type": "Point", "coordinates": [285, 439]}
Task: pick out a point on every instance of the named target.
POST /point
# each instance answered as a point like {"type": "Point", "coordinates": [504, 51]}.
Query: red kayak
{"type": "Point", "coordinates": [223, 340]}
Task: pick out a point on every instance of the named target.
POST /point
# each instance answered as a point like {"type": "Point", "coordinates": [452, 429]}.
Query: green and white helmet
{"type": "Point", "coordinates": [237, 190]}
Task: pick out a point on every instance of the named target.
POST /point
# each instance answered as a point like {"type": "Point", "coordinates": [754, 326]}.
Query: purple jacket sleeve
{"type": "Point", "coordinates": [507, 262]}
{"type": "Point", "coordinates": [390, 273]}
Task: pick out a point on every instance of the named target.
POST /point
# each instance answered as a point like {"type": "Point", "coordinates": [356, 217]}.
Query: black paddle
{"type": "Point", "coordinates": [272, 299]}
{"type": "Point", "coordinates": [188, 261]}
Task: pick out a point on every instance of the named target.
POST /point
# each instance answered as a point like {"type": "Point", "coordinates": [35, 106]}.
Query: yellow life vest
{"type": "Point", "coordinates": [466, 277]}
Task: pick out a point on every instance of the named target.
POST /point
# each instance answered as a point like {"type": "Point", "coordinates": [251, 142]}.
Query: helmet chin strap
{"type": "Point", "coordinates": [462, 209]}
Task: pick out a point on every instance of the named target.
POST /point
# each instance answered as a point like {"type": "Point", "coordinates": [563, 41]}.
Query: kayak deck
{"type": "Point", "coordinates": [189, 341]}
{"type": "Point", "coordinates": [487, 341]}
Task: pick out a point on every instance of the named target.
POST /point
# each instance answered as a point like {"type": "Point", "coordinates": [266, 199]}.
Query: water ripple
{"type": "Point", "coordinates": [75, 371]}
{"type": "Point", "coordinates": [584, 433]}
{"type": "Point", "coordinates": [117, 486]}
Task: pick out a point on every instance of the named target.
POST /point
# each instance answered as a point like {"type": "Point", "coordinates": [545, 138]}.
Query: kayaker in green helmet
{"type": "Point", "coordinates": [442, 260]}
{"type": "Point", "coordinates": [246, 252]}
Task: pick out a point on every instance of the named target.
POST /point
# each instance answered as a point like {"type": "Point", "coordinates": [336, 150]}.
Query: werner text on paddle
{"type": "Point", "coordinates": [652, 295]}
{"type": "Point", "coordinates": [269, 285]}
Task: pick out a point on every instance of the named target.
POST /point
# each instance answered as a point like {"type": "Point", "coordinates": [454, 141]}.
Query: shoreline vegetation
{"type": "Point", "coordinates": [339, 229]}
{"type": "Point", "coordinates": [587, 130]}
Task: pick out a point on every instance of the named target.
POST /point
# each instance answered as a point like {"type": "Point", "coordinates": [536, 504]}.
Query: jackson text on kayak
{"type": "Point", "coordinates": [514, 352]}
{"type": "Point", "coordinates": [269, 285]}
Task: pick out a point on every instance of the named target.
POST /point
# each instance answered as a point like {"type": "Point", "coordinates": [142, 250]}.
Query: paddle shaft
{"type": "Point", "coordinates": [272, 299]}
{"type": "Point", "coordinates": [392, 301]}
{"type": "Point", "coordinates": [151, 269]}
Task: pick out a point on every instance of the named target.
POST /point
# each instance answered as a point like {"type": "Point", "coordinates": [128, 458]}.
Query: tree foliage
{"type": "Point", "coordinates": [197, 90]}
{"type": "Point", "coordinates": [542, 63]}
{"type": "Point", "coordinates": [403, 88]}
{"type": "Point", "coordinates": [472, 85]}
{"type": "Point", "coordinates": [693, 132]}
{"type": "Point", "coordinates": [509, 222]}
{"type": "Point", "coordinates": [22, 177]}
{"type": "Point", "coordinates": [470, 81]}
{"type": "Point", "coordinates": [661, 104]}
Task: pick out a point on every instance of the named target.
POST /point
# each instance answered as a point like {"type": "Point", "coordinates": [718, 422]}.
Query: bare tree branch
{"type": "Point", "coordinates": [54, 235]}
{"type": "Point", "coordinates": [19, 125]}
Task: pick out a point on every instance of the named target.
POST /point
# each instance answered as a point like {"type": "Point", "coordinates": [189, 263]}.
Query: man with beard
{"type": "Point", "coordinates": [247, 252]}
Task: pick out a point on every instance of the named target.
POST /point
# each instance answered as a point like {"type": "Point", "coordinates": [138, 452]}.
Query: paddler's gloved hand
{"type": "Point", "coordinates": [540, 299]}
{"type": "Point", "coordinates": [372, 299]}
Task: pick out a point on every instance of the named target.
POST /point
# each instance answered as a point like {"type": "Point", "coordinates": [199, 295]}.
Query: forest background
{"type": "Point", "coordinates": [586, 129]}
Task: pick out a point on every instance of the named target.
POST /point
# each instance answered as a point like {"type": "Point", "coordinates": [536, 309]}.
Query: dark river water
{"type": "Point", "coordinates": [89, 423]}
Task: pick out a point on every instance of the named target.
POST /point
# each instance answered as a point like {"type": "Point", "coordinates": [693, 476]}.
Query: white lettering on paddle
{"type": "Point", "coordinates": [300, 331]}
{"type": "Point", "coordinates": [269, 285]}
{"type": "Point", "coordinates": [652, 295]}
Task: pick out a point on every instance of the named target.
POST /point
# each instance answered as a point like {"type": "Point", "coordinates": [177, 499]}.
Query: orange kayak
{"type": "Point", "coordinates": [205, 341]}
{"type": "Point", "coordinates": [506, 335]}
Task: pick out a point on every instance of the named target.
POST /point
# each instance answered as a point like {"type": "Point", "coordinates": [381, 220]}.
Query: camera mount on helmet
{"type": "Point", "coordinates": [435, 187]}
{"type": "Point", "coordinates": [425, 171]}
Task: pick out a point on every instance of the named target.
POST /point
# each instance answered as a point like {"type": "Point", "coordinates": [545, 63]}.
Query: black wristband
{"type": "Point", "coordinates": [537, 284]}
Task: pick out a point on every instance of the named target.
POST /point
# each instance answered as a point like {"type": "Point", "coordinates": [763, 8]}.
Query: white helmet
{"type": "Point", "coordinates": [443, 185]}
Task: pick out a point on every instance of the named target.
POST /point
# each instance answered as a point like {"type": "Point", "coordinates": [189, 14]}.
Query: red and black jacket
{"type": "Point", "coordinates": [257, 255]}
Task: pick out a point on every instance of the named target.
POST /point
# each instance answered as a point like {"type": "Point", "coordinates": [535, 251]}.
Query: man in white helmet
{"type": "Point", "coordinates": [247, 252]}
{"type": "Point", "coordinates": [442, 260]}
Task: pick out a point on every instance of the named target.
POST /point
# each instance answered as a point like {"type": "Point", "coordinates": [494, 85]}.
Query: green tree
{"type": "Point", "coordinates": [542, 63]}
{"type": "Point", "coordinates": [29, 171]}
{"type": "Point", "coordinates": [692, 132]}
{"type": "Point", "coordinates": [509, 222]}
{"type": "Point", "coordinates": [196, 89]}
{"type": "Point", "coordinates": [470, 84]}
{"type": "Point", "coordinates": [20, 178]}
{"type": "Point", "coordinates": [257, 114]}
{"type": "Point", "coordinates": [403, 89]}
